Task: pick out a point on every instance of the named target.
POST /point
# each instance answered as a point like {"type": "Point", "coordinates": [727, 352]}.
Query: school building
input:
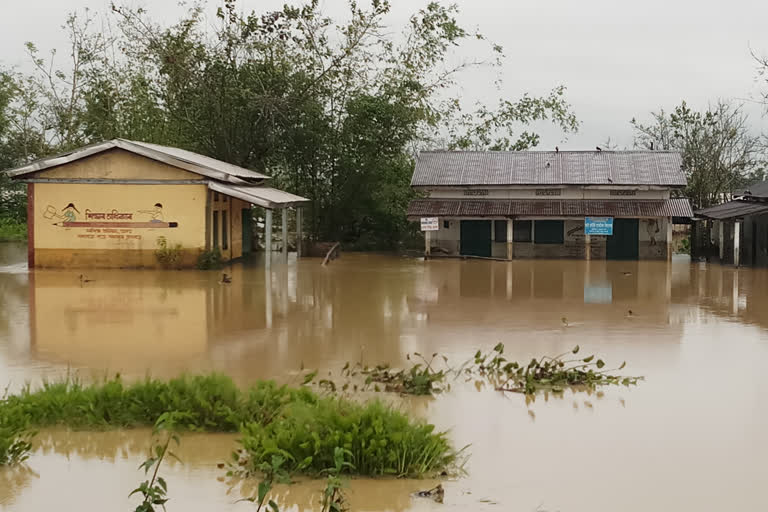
{"type": "Point", "coordinates": [536, 204]}
{"type": "Point", "coordinates": [115, 203]}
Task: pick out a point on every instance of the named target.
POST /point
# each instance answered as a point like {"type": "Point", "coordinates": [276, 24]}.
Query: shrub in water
{"type": "Point", "coordinates": [379, 440]}
{"type": "Point", "coordinates": [15, 438]}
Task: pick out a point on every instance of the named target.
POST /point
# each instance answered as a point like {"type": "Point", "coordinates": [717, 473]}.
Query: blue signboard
{"type": "Point", "coordinates": [598, 225]}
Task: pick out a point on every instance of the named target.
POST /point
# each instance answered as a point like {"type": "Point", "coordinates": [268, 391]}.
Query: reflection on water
{"type": "Point", "coordinates": [693, 433]}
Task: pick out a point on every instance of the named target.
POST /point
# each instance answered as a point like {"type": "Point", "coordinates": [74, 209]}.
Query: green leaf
{"type": "Point", "coordinates": [623, 365]}
{"type": "Point", "coordinates": [264, 487]}
{"type": "Point", "coordinates": [309, 377]}
{"type": "Point", "coordinates": [588, 359]}
{"type": "Point", "coordinates": [600, 363]}
{"type": "Point", "coordinates": [273, 506]}
{"type": "Point", "coordinates": [575, 349]}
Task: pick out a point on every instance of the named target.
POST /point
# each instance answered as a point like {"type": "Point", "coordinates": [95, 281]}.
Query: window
{"type": "Point", "coordinates": [446, 224]}
{"type": "Point", "coordinates": [215, 230]}
{"type": "Point", "coordinates": [500, 230]}
{"type": "Point", "coordinates": [548, 232]}
{"type": "Point", "coordinates": [224, 231]}
{"type": "Point", "coordinates": [215, 196]}
{"type": "Point", "coordinates": [522, 230]}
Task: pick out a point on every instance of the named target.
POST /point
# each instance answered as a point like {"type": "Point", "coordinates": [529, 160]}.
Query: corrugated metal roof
{"type": "Point", "coordinates": [261, 196]}
{"type": "Point", "coordinates": [499, 168]}
{"type": "Point", "coordinates": [183, 159]}
{"type": "Point", "coordinates": [733, 210]}
{"type": "Point", "coordinates": [551, 208]}
{"type": "Point", "coordinates": [759, 189]}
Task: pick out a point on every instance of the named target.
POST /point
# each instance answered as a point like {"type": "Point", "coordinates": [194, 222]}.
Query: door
{"type": "Point", "coordinates": [476, 238]}
{"type": "Point", "coordinates": [624, 243]}
{"type": "Point", "coordinates": [247, 217]}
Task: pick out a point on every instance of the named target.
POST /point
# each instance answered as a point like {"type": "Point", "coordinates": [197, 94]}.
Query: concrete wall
{"type": "Point", "coordinates": [115, 225]}
{"type": "Point", "coordinates": [754, 248]}
{"type": "Point", "coordinates": [653, 239]}
{"type": "Point", "coordinates": [233, 207]}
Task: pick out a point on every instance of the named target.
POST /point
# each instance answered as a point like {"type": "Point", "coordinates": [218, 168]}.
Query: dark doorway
{"type": "Point", "coordinates": [247, 230]}
{"type": "Point", "coordinates": [476, 238]}
{"type": "Point", "coordinates": [753, 256]}
{"type": "Point", "coordinates": [624, 243]}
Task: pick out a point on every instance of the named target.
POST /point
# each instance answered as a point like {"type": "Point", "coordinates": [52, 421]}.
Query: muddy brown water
{"type": "Point", "coordinates": [691, 437]}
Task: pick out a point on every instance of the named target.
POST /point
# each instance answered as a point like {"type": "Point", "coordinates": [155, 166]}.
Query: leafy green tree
{"type": "Point", "coordinates": [719, 152]}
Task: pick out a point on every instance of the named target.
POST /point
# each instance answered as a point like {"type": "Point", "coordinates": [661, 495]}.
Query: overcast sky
{"type": "Point", "coordinates": [618, 59]}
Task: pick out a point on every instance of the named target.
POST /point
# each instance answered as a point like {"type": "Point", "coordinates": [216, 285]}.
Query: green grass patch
{"type": "Point", "coordinates": [12, 230]}
{"type": "Point", "coordinates": [15, 437]}
{"type": "Point", "coordinates": [302, 426]}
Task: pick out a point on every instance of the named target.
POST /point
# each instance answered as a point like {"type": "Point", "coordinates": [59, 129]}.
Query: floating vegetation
{"type": "Point", "coordinates": [543, 374]}
{"type": "Point", "coordinates": [546, 373]}
{"type": "Point", "coordinates": [376, 439]}
{"type": "Point", "coordinates": [155, 489]}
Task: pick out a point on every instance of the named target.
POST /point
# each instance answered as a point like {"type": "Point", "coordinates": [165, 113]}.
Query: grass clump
{"type": "Point", "coordinates": [297, 424]}
{"type": "Point", "coordinates": [378, 440]}
{"type": "Point", "coordinates": [15, 438]}
{"type": "Point", "coordinates": [210, 259]}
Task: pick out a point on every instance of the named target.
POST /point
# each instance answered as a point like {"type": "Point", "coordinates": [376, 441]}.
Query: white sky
{"type": "Point", "coordinates": [618, 59]}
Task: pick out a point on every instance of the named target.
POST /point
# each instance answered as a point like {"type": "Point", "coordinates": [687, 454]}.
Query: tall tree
{"type": "Point", "coordinates": [720, 154]}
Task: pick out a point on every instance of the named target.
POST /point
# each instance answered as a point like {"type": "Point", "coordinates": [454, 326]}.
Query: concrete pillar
{"type": "Point", "coordinates": [510, 239]}
{"type": "Point", "coordinates": [587, 247]}
{"type": "Point", "coordinates": [268, 239]}
{"type": "Point", "coordinates": [268, 293]}
{"type": "Point", "coordinates": [299, 234]}
{"type": "Point", "coordinates": [284, 217]}
{"type": "Point", "coordinates": [669, 238]}
{"type": "Point", "coordinates": [427, 244]}
{"type": "Point", "coordinates": [721, 239]}
{"type": "Point", "coordinates": [736, 243]}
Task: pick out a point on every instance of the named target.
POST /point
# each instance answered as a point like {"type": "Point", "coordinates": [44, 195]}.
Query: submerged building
{"type": "Point", "coordinates": [735, 232]}
{"type": "Point", "coordinates": [549, 204]}
{"type": "Point", "coordinates": [114, 204]}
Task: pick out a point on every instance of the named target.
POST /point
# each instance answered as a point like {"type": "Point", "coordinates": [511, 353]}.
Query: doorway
{"type": "Point", "coordinates": [247, 221]}
{"type": "Point", "coordinates": [476, 238]}
{"type": "Point", "coordinates": [624, 243]}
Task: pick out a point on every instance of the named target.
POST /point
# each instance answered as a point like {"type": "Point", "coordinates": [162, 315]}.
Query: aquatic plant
{"type": "Point", "coordinates": [271, 472]}
{"type": "Point", "coordinates": [546, 373]}
{"type": "Point", "coordinates": [379, 440]}
{"type": "Point", "coordinates": [15, 438]}
{"type": "Point", "coordinates": [155, 489]}
{"type": "Point", "coordinates": [168, 256]}
{"type": "Point", "coordinates": [419, 379]}
{"type": "Point", "coordinates": [210, 259]}
{"type": "Point", "coordinates": [334, 499]}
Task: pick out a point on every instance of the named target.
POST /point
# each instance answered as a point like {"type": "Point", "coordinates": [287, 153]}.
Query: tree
{"type": "Point", "coordinates": [719, 152]}
{"type": "Point", "coordinates": [333, 111]}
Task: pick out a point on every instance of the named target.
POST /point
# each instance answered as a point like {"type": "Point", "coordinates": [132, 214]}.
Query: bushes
{"type": "Point", "coordinates": [210, 259]}
{"type": "Point", "coordinates": [168, 256]}
{"type": "Point", "coordinates": [12, 230]}
{"type": "Point", "coordinates": [380, 440]}
{"type": "Point", "coordinates": [296, 423]}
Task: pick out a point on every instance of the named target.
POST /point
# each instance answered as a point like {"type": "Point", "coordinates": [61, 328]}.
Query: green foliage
{"type": "Point", "coordinates": [546, 373]}
{"type": "Point", "coordinates": [271, 472]}
{"type": "Point", "coordinates": [155, 489]}
{"type": "Point", "coordinates": [333, 494]}
{"type": "Point", "coordinates": [296, 424]}
{"type": "Point", "coordinates": [15, 438]}
{"type": "Point", "coordinates": [12, 230]}
{"type": "Point", "coordinates": [210, 259]}
{"type": "Point", "coordinates": [334, 109]}
{"type": "Point", "coordinates": [419, 379]}
{"type": "Point", "coordinates": [378, 439]}
{"type": "Point", "coordinates": [720, 154]}
{"type": "Point", "coordinates": [168, 256]}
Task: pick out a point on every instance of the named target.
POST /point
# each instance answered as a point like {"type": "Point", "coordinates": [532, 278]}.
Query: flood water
{"type": "Point", "coordinates": [691, 437]}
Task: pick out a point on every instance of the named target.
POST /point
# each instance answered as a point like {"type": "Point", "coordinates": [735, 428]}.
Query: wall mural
{"type": "Point", "coordinates": [113, 224]}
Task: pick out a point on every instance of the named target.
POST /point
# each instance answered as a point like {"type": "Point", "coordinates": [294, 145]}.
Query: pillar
{"type": "Point", "coordinates": [510, 239]}
{"type": "Point", "coordinates": [721, 238]}
{"type": "Point", "coordinates": [736, 242]}
{"type": "Point", "coordinates": [268, 239]}
{"type": "Point", "coordinates": [587, 247]}
{"type": "Point", "coordinates": [669, 238]}
{"type": "Point", "coordinates": [285, 234]}
{"type": "Point", "coordinates": [299, 235]}
{"type": "Point", "coordinates": [427, 244]}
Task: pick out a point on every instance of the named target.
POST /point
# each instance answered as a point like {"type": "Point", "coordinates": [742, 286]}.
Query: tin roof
{"type": "Point", "coordinates": [550, 208]}
{"type": "Point", "coordinates": [265, 197]}
{"type": "Point", "coordinates": [758, 189]}
{"type": "Point", "coordinates": [499, 168]}
{"type": "Point", "coordinates": [193, 162]}
{"type": "Point", "coordinates": [732, 210]}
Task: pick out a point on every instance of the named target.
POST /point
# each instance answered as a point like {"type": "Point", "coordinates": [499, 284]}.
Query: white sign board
{"type": "Point", "coordinates": [429, 224]}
